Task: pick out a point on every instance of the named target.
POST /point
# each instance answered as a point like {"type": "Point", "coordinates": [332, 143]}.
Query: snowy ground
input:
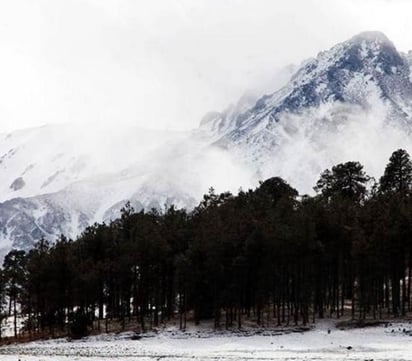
{"type": "Point", "coordinates": [376, 343]}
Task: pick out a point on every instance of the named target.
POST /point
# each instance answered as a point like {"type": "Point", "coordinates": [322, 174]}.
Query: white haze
{"type": "Point", "coordinates": [116, 163]}
{"type": "Point", "coordinates": [109, 70]}
{"type": "Point", "coordinates": [134, 162]}
{"type": "Point", "coordinates": [162, 64]}
{"type": "Point", "coordinates": [110, 164]}
{"type": "Point", "coordinates": [335, 133]}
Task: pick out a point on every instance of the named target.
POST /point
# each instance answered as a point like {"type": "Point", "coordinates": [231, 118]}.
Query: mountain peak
{"type": "Point", "coordinates": [365, 67]}
{"type": "Point", "coordinates": [372, 37]}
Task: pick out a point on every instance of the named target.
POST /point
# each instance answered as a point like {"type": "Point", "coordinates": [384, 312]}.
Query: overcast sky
{"type": "Point", "coordinates": [163, 64]}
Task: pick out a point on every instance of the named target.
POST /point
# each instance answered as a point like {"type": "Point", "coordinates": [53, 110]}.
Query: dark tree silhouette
{"type": "Point", "coordinates": [264, 255]}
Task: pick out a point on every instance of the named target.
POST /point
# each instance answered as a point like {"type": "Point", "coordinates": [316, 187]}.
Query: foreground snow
{"type": "Point", "coordinates": [375, 343]}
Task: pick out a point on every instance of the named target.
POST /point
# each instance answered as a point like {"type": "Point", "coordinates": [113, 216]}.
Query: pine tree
{"type": "Point", "coordinates": [15, 274]}
{"type": "Point", "coordinates": [398, 174]}
{"type": "Point", "coordinates": [346, 180]}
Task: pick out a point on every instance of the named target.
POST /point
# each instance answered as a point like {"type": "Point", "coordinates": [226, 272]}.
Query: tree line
{"type": "Point", "coordinates": [267, 256]}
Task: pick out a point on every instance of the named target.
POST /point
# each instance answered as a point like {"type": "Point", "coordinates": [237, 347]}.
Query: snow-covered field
{"type": "Point", "coordinates": [375, 343]}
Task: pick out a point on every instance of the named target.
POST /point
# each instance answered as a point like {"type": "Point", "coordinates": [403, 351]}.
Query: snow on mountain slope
{"type": "Point", "coordinates": [348, 73]}
{"type": "Point", "coordinates": [335, 107]}
{"type": "Point", "coordinates": [47, 159]}
{"type": "Point", "coordinates": [222, 122]}
{"type": "Point", "coordinates": [161, 169]}
{"type": "Point", "coordinates": [352, 102]}
{"type": "Point", "coordinates": [60, 178]}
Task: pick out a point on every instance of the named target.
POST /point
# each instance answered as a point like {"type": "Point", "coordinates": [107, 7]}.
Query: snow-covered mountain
{"type": "Point", "coordinates": [47, 159]}
{"type": "Point", "coordinates": [352, 102]}
{"type": "Point", "coordinates": [56, 178]}
{"type": "Point", "coordinates": [347, 73]}
{"type": "Point", "coordinates": [59, 179]}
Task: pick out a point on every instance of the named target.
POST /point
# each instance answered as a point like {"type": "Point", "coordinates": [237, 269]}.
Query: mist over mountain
{"type": "Point", "coordinates": [352, 102]}
{"type": "Point", "coordinates": [80, 175]}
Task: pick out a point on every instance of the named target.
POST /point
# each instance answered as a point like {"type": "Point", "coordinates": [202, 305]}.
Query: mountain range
{"type": "Point", "coordinates": [351, 102]}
